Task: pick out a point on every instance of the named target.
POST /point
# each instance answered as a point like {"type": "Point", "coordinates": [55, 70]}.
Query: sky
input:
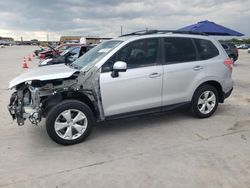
{"type": "Point", "coordinates": [34, 19]}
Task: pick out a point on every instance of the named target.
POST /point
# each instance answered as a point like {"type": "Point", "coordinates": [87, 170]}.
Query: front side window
{"type": "Point", "coordinates": [206, 49]}
{"type": "Point", "coordinates": [136, 54]}
{"type": "Point", "coordinates": [179, 50]}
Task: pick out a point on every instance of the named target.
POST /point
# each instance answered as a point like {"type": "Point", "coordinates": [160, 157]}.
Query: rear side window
{"type": "Point", "coordinates": [179, 50]}
{"type": "Point", "coordinates": [206, 49]}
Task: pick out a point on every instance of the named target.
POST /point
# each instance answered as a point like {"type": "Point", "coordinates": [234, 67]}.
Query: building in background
{"type": "Point", "coordinates": [70, 39]}
{"type": "Point", "coordinates": [6, 41]}
{"type": "Point", "coordinates": [78, 39]}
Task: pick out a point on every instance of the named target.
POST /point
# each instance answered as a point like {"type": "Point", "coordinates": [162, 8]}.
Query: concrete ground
{"type": "Point", "coordinates": [164, 150]}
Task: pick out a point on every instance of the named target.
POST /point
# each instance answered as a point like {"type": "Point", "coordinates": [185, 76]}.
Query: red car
{"type": "Point", "coordinates": [51, 53]}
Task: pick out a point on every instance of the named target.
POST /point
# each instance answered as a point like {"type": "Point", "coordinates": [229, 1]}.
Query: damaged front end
{"type": "Point", "coordinates": [25, 104]}
{"type": "Point", "coordinates": [33, 99]}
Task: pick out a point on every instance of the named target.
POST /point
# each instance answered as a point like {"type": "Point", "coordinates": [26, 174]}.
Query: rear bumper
{"type": "Point", "coordinates": [226, 95]}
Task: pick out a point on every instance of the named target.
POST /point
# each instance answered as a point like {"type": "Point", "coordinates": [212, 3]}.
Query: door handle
{"type": "Point", "coordinates": [154, 75]}
{"type": "Point", "coordinates": [198, 67]}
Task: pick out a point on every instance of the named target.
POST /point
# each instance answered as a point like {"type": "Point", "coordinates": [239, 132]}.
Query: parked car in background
{"type": "Point", "coordinates": [68, 56]}
{"type": "Point", "coordinates": [1, 46]}
{"type": "Point", "coordinates": [231, 50]}
{"type": "Point", "coordinates": [138, 73]}
{"type": "Point", "coordinates": [36, 52]}
{"type": "Point", "coordinates": [242, 46]}
{"type": "Point", "coordinates": [248, 50]}
{"type": "Point", "coordinates": [52, 52]}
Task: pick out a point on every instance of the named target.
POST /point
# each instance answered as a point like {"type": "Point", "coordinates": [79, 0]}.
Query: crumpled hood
{"type": "Point", "coordinates": [44, 73]}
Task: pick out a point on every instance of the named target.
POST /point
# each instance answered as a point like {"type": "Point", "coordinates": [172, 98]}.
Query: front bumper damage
{"type": "Point", "coordinates": [31, 99]}
{"type": "Point", "coordinates": [25, 104]}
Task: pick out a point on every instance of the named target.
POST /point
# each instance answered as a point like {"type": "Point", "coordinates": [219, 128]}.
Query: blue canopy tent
{"type": "Point", "coordinates": [211, 28]}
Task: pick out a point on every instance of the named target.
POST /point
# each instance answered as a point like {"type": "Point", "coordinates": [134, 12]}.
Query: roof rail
{"type": "Point", "coordinates": [150, 32]}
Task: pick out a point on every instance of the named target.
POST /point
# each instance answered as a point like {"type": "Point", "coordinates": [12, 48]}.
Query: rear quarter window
{"type": "Point", "coordinates": [206, 49]}
{"type": "Point", "coordinates": [224, 46]}
{"type": "Point", "coordinates": [231, 45]}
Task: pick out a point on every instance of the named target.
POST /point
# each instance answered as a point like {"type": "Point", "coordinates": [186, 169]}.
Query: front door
{"type": "Point", "coordinates": [140, 87]}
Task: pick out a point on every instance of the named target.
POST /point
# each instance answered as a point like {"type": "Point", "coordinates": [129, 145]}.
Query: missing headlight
{"type": "Point", "coordinates": [26, 98]}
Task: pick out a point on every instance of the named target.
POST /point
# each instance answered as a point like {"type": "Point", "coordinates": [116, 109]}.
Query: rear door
{"type": "Point", "coordinates": [187, 62]}
{"type": "Point", "coordinates": [181, 67]}
{"type": "Point", "coordinates": [140, 87]}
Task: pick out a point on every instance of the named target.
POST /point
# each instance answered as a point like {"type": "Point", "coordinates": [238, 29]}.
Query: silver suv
{"type": "Point", "coordinates": [138, 73]}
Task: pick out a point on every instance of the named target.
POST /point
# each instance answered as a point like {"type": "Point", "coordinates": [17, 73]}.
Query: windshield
{"type": "Point", "coordinates": [95, 54]}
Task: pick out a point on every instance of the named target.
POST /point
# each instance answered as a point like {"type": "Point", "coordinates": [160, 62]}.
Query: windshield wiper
{"type": "Point", "coordinates": [74, 66]}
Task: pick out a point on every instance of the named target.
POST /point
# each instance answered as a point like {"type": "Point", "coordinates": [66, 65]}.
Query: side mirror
{"type": "Point", "coordinates": [119, 66]}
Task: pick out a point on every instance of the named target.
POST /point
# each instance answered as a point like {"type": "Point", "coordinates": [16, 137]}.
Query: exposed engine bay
{"type": "Point", "coordinates": [33, 99]}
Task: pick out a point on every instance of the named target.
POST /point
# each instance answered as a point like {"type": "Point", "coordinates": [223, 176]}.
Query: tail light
{"type": "Point", "coordinates": [229, 64]}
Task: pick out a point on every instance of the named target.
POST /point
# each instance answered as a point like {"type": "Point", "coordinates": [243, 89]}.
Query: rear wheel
{"type": "Point", "coordinates": [205, 101]}
{"type": "Point", "coordinates": [69, 122]}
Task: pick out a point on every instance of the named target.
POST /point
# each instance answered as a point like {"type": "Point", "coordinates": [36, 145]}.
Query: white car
{"type": "Point", "coordinates": [248, 50]}
{"type": "Point", "coordinates": [138, 73]}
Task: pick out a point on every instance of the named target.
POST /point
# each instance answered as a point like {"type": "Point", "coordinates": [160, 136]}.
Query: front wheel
{"type": "Point", "coordinates": [205, 101]}
{"type": "Point", "coordinates": [69, 122]}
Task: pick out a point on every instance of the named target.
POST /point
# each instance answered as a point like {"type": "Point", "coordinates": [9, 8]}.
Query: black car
{"type": "Point", "coordinates": [231, 50]}
{"type": "Point", "coordinates": [68, 56]}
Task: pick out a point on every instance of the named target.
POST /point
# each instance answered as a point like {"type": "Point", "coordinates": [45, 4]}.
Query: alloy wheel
{"type": "Point", "coordinates": [71, 124]}
{"type": "Point", "coordinates": [206, 102]}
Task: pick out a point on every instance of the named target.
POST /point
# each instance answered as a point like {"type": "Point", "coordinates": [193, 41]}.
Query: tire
{"type": "Point", "coordinates": [69, 122]}
{"type": "Point", "coordinates": [205, 101]}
